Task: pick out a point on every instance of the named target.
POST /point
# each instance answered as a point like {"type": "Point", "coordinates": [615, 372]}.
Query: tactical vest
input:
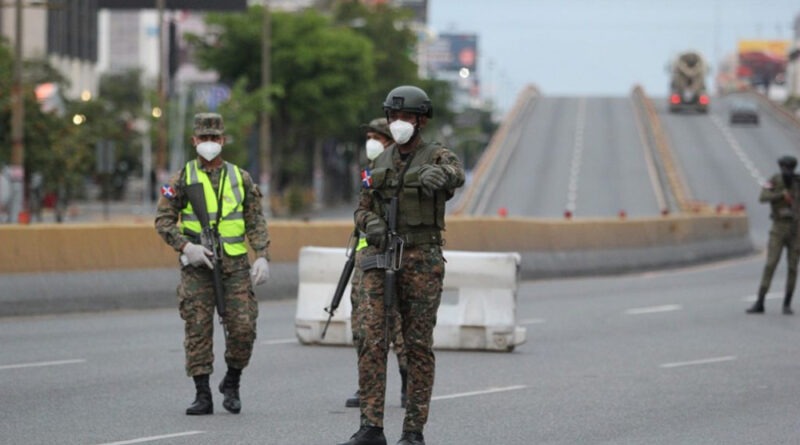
{"type": "Point", "coordinates": [231, 222]}
{"type": "Point", "coordinates": [780, 209]}
{"type": "Point", "coordinates": [418, 213]}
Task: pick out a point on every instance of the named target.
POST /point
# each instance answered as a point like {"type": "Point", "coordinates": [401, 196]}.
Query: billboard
{"type": "Point", "coordinates": [452, 52]}
{"type": "Point", "coordinates": [763, 62]}
{"type": "Point", "coordinates": [197, 5]}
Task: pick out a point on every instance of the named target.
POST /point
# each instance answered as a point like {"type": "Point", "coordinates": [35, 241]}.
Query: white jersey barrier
{"type": "Point", "coordinates": [482, 318]}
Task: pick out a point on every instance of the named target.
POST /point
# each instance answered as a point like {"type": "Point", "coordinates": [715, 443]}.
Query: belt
{"type": "Point", "coordinates": [421, 238]}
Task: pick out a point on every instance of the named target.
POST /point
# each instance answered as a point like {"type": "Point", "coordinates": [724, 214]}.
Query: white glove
{"type": "Point", "coordinates": [259, 272]}
{"type": "Point", "coordinates": [198, 255]}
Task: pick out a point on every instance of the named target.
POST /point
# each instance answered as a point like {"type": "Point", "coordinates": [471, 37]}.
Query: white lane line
{"type": "Point", "coordinates": [479, 393]}
{"type": "Point", "coordinates": [770, 296]}
{"type": "Point", "coordinates": [577, 155]}
{"type": "Point", "coordinates": [37, 364]}
{"type": "Point", "coordinates": [654, 309]}
{"type": "Point", "coordinates": [154, 438]}
{"type": "Point", "coordinates": [279, 341]}
{"type": "Point", "coordinates": [704, 361]}
{"type": "Point", "coordinates": [531, 321]}
{"type": "Point", "coordinates": [737, 148]}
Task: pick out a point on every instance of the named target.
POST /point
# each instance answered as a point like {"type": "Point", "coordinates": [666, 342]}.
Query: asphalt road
{"type": "Point", "coordinates": [660, 358]}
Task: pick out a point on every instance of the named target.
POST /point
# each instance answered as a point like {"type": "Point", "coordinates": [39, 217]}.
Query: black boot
{"type": "Point", "coordinates": [367, 435]}
{"type": "Point", "coordinates": [404, 387]}
{"type": "Point", "coordinates": [411, 438]}
{"type": "Point", "coordinates": [758, 306]}
{"type": "Point", "coordinates": [787, 304]}
{"type": "Point", "coordinates": [202, 402]}
{"type": "Point", "coordinates": [354, 401]}
{"type": "Point", "coordinates": [229, 387]}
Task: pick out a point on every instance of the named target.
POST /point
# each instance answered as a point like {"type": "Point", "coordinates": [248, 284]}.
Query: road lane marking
{"type": "Point", "coordinates": [770, 296]}
{"type": "Point", "coordinates": [654, 309]}
{"type": "Point", "coordinates": [480, 393]}
{"type": "Point", "coordinates": [737, 149]}
{"type": "Point", "coordinates": [37, 364]}
{"type": "Point", "coordinates": [577, 155]}
{"type": "Point", "coordinates": [531, 321]}
{"type": "Point", "coordinates": [154, 438]}
{"type": "Point", "coordinates": [279, 341]}
{"type": "Point", "coordinates": [704, 361]}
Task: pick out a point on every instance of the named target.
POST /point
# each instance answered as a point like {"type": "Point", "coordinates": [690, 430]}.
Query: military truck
{"type": "Point", "coordinates": [688, 83]}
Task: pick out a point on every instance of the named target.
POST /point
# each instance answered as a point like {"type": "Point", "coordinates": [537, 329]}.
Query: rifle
{"type": "Point", "coordinates": [393, 256]}
{"type": "Point", "coordinates": [344, 278]}
{"type": "Point", "coordinates": [209, 238]}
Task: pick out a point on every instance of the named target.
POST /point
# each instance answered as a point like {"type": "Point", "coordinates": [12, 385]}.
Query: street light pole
{"type": "Point", "coordinates": [264, 129]}
{"type": "Point", "coordinates": [17, 125]}
{"type": "Point", "coordinates": [161, 144]}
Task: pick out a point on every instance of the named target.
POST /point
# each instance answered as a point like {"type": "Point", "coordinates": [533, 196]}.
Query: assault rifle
{"type": "Point", "coordinates": [209, 238]}
{"type": "Point", "coordinates": [344, 278]}
{"type": "Point", "coordinates": [393, 256]}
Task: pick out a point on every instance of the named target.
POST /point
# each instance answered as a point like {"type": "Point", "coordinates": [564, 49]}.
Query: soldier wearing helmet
{"type": "Point", "coordinates": [782, 192]}
{"type": "Point", "coordinates": [420, 177]}
{"type": "Point", "coordinates": [233, 202]}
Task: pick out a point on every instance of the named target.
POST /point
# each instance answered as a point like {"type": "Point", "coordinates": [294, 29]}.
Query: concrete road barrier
{"type": "Point", "coordinates": [482, 318]}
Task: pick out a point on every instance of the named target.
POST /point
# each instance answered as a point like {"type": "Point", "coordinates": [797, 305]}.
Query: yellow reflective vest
{"type": "Point", "coordinates": [231, 221]}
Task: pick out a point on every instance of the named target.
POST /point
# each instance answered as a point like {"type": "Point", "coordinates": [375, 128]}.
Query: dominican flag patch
{"type": "Point", "coordinates": [366, 178]}
{"type": "Point", "coordinates": [167, 191]}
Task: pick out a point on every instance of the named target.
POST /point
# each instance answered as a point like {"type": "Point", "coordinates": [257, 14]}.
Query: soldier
{"type": "Point", "coordinates": [378, 138]}
{"type": "Point", "coordinates": [421, 177]}
{"type": "Point", "coordinates": [782, 192]}
{"type": "Point", "coordinates": [232, 188]}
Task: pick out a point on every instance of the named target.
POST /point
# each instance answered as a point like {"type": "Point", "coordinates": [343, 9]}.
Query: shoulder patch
{"type": "Point", "coordinates": [167, 191]}
{"type": "Point", "coordinates": [769, 185]}
{"type": "Point", "coordinates": [366, 178]}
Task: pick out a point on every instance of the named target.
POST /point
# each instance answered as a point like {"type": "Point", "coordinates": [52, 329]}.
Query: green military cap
{"type": "Point", "coordinates": [208, 124]}
{"type": "Point", "coordinates": [379, 125]}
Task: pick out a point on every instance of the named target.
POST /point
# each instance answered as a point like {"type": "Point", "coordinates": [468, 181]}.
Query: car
{"type": "Point", "coordinates": [743, 112]}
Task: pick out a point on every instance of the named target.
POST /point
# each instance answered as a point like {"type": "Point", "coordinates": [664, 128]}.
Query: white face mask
{"type": "Point", "coordinates": [374, 148]}
{"type": "Point", "coordinates": [209, 150]}
{"type": "Point", "coordinates": [402, 131]}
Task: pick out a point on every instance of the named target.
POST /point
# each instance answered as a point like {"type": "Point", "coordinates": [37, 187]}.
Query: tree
{"type": "Point", "coordinates": [322, 76]}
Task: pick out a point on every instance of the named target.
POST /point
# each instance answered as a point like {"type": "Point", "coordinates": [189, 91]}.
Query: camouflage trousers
{"type": "Point", "coordinates": [356, 321]}
{"type": "Point", "coordinates": [196, 303]}
{"type": "Point", "coordinates": [781, 236]}
{"type": "Point", "coordinates": [419, 292]}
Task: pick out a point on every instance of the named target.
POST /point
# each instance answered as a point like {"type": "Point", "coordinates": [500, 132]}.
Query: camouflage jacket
{"type": "Point", "coordinates": [773, 193]}
{"type": "Point", "coordinates": [174, 199]}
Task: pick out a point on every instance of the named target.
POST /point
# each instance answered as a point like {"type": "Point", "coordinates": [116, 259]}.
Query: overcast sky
{"type": "Point", "coordinates": [602, 47]}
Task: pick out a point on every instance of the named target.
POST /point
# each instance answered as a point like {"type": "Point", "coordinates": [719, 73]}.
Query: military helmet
{"type": "Point", "coordinates": [208, 124]}
{"type": "Point", "coordinates": [379, 125]}
{"type": "Point", "coordinates": [789, 162]}
{"type": "Point", "coordinates": [408, 98]}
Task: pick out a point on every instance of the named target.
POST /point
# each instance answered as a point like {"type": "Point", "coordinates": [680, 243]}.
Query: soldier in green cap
{"type": "Point", "coordinates": [782, 192]}
{"type": "Point", "coordinates": [233, 202]}
{"type": "Point", "coordinates": [378, 139]}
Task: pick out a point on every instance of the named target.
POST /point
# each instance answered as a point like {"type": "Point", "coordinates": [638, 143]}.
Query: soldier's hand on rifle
{"type": "Point", "coordinates": [198, 255]}
{"type": "Point", "coordinates": [259, 272]}
{"type": "Point", "coordinates": [432, 178]}
{"type": "Point", "coordinates": [376, 231]}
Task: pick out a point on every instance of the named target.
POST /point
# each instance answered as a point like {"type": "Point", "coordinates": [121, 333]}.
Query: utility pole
{"type": "Point", "coordinates": [18, 209]}
{"type": "Point", "coordinates": [161, 143]}
{"type": "Point", "coordinates": [264, 129]}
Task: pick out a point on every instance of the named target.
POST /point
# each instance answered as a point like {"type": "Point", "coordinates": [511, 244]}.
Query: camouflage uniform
{"type": "Point", "coordinates": [196, 300]}
{"type": "Point", "coordinates": [378, 125]}
{"type": "Point", "coordinates": [783, 234]}
{"type": "Point", "coordinates": [418, 294]}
